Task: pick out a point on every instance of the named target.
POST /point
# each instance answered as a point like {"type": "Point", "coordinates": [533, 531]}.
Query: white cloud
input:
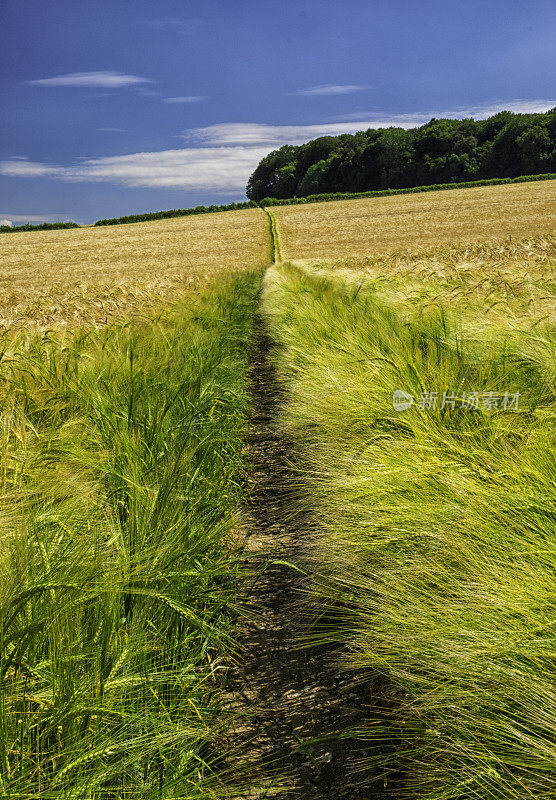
{"type": "Point", "coordinates": [192, 98]}
{"type": "Point", "coordinates": [253, 133]}
{"type": "Point", "coordinates": [21, 168]}
{"type": "Point", "coordinates": [477, 112]}
{"type": "Point", "coordinates": [330, 89]}
{"type": "Point", "coordinates": [215, 168]}
{"type": "Point", "coordinates": [20, 219]}
{"type": "Point", "coordinates": [7, 222]}
{"type": "Point", "coordinates": [517, 106]}
{"type": "Point", "coordinates": [105, 80]}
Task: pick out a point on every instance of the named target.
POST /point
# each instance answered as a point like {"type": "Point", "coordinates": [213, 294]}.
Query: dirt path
{"type": "Point", "coordinates": [298, 698]}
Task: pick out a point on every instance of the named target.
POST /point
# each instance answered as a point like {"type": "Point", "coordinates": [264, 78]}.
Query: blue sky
{"type": "Point", "coordinates": [112, 107]}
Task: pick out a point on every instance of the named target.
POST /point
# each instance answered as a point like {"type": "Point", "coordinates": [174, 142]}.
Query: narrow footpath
{"type": "Point", "coordinates": [299, 703]}
{"type": "Point", "coordinates": [300, 714]}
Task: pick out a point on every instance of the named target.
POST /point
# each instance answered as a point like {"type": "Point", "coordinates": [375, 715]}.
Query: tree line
{"type": "Point", "coordinates": [442, 151]}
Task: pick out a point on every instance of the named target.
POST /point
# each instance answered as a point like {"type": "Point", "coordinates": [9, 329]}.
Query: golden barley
{"type": "Point", "coordinates": [92, 275]}
{"type": "Point", "coordinates": [386, 224]}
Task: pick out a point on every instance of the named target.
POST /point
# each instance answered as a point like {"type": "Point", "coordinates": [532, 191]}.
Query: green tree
{"type": "Point", "coordinates": [534, 147]}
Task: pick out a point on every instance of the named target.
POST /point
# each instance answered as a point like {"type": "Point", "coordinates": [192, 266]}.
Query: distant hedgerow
{"type": "Point", "coordinates": [44, 226]}
{"type": "Point", "coordinates": [175, 212]}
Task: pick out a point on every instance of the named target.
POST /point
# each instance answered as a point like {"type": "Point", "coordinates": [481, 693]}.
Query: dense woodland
{"type": "Point", "coordinates": [442, 151]}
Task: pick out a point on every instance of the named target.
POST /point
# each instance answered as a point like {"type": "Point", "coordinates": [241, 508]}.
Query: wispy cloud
{"type": "Point", "coordinates": [481, 111]}
{"type": "Point", "coordinates": [22, 168]}
{"type": "Point", "coordinates": [104, 79]}
{"type": "Point", "coordinates": [192, 98]}
{"type": "Point", "coordinates": [330, 89]}
{"type": "Point", "coordinates": [214, 168]}
{"type": "Point", "coordinates": [20, 219]}
{"type": "Point", "coordinates": [254, 133]}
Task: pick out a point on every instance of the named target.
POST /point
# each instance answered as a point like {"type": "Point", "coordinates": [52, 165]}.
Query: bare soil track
{"type": "Point", "coordinates": [299, 702]}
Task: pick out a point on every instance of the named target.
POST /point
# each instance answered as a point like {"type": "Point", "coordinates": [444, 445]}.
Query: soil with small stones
{"type": "Point", "coordinates": [295, 702]}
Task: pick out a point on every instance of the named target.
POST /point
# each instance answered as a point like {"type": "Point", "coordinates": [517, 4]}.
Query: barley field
{"type": "Point", "coordinates": [128, 386]}
{"type": "Point", "coordinates": [89, 276]}
{"type": "Point", "coordinates": [351, 228]}
{"type": "Point", "coordinates": [486, 284]}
